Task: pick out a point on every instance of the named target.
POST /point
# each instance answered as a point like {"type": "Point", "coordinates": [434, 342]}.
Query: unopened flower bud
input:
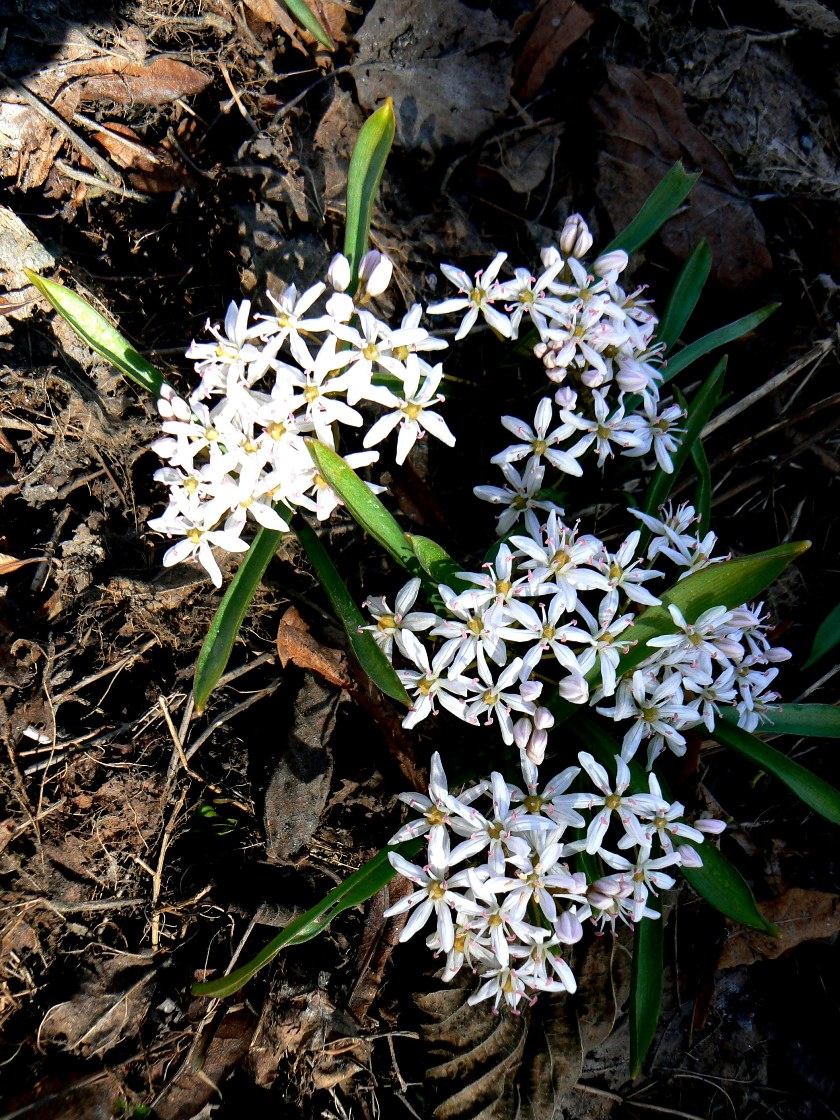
{"type": "Point", "coordinates": [522, 733]}
{"type": "Point", "coordinates": [689, 857]}
{"type": "Point", "coordinates": [530, 690]}
{"type": "Point", "coordinates": [575, 238]}
{"type": "Point", "coordinates": [543, 719]}
{"type": "Point", "coordinates": [338, 274]}
{"type": "Point", "coordinates": [574, 689]}
{"type": "Point", "coordinates": [536, 747]}
{"type": "Point", "coordinates": [550, 256]}
{"type": "Point", "coordinates": [710, 825]}
{"type": "Point", "coordinates": [593, 377]}
{"type": "Point", "coordinates": [375, 272]}
{"type": "Point", "coordinates": [632, 378]}
{"type": "Point", "coordinates": [566, 398]}
{"type": "Point", "coordinates": [608, 886]}
{"type": "Point", "coordinates": [341, 307]}
{"type": "Point", "coordinates": [610, 264]}
{"type": "Point", "coordinates": [568, 929]}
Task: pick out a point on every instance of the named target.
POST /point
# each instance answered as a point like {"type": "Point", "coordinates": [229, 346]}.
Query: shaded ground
{"type": "Point", "coordinates": [142, 846]}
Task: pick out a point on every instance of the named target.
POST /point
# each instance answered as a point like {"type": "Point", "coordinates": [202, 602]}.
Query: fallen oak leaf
{"type": "Point", "coordinates": [154, 170]}
{"type": "Point", "coordinates": [800, 915]}
{"type": "Point", "coordinates": [9, 564]}
{"type": "Point", "coordinates": [559, 24]}
{"type": "Point", "coordinates": [296, 644]}
{"type": "Point", "coordinates": [645, 132]}
{"type": "Point", "coordinates": [156, 82]}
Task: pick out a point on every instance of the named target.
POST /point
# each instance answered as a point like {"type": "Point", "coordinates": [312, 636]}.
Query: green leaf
{"type": "Point", "coordinates": [307, 18]}
{"type": "Point", "coordinates": [216, 650]}
{"type": "Point", "coordinates": [436, 562]}
{"type": "Point", "coordinates": [363, 505]}
{"type": "Point", "coordinates": [822, 721]}
{"type": "Point", "coordinates": [699, 412]}
{"type": "Point", "coordinates": [723, 886]}
{"type": "Point", "coordinates": [99, 335]}
{"type": "Point", "coordinates": [703, 490]}
{"type": "Point", "coordinates": [647, 982]}
{"type": "Point", "coordinates": [359, 887]}
{"type": "Point", "coordinates": [362, 643]}
{"type": "Point", "coordinates": [714, 340]}
{"type": "Point", "coordinates": [366, 166]}
{"type": "Point", "coordinates": [826, 638]}
{"type": "Point", "coordinates": [684, 295]}
{"type": "Point", "coordinates": [663, 202]}
{"type": "Point", "coordinates": [817, 794]}
{"type": "Point", "coordinates": [728, 584]}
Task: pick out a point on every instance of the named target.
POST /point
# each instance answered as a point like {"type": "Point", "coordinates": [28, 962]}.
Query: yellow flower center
{"type": "Point", "coordinates": [612, 801]}
{"type": "Point", "coordinates": [387, 622]}
{"type": "Point", "coordinates": [412, 411]}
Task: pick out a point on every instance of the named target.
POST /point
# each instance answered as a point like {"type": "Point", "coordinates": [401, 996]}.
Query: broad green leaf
{"type": "Point", "coordinates": [703, 489]}
{"type": "Point", "coordinates": [699, 412]}
{"type": "Point", "coordinates": [817, 794]}
{"type": "Point", "coordinates": [99, 335]}
{"type": "Point", "coordinates": [216, 650]}
{"type": "Point", "coordinates": [647, 982]}
{"type": "Point", "coordinates": [728, 584]}
{"type": "Point", "coordinates": [676, 363]}
{"type": "Point", "coordinates": [436, 562]}
{"type": "Point", "coordinates": [359, 887]}
{"type": "Point", "coordinates": [723, 886]}
{"type": "Point", "coordinates": [362, 643]}
{"type": "Point", "coordinates": [684, 296]}
{"type": "Point", "coordinates": [826, 638]}
{"type": "Point", "coordinates": [822, 721]}
{"type": "Point", "coordinates": [363, 505]}
{"type": "Point", "coordinates": [307, 18]}
{"type": "Point", "coordinates": [366, 166]}
{"type": "Point", "coordinates": [663, 202]}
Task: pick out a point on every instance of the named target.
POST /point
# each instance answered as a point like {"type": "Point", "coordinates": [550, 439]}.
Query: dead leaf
{"type": "Point", "coordinates": [296, 644]}
{"type": "Point", "coordinates": [186, 1095]}
{"type": "Point", "coordinates": [156, 82]}
{"type": "Point", "coordinates": [558, 25]}
{"type": "Point", "coordinates": [153, 170]}
{"type": "Point", "coordinates": [271, 12]}
{"type": "Point", "coordinates": [812, 15]}
{"type": "Point", "coordinates": [438, 63]}
{"type": "Point", "coordinates": [645, 131]}
{"type": "Point", "coordinates": [109, 1007]}
{"type": "Point", "coordinates": [801, 915]}
{"type": "Point", "coordinates": [524, 162]}
{"type": "Point", "coordinates": [300, 784]}
{"type": "Point", "coordinates": [9, 564]}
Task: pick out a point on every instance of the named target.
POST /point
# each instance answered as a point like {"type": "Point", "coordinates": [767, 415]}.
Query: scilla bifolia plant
{"type": "Point", "coordinates": [630, 647]}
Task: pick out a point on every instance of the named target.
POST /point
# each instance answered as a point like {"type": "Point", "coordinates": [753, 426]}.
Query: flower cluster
{"type": "Point", "coordinates": [236, 449]}
{"type": "Point", "coordinates": [557, 603]}
{"type": "Point", "coordinates": [597, 345]}
{"type": "Point", "coordinates": [504, 898]}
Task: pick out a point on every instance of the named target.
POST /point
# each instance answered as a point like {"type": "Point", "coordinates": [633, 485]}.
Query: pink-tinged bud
{"type": "Point", "coordinates": [599, 901]}
{"type": "Point", "coordinates": [710, 825]}
{"type": "Point", "coordinates": [550, 256]}
{"type": "Point", "coordinates": [540, 350]}
{"type": "Point", "coordinates": [592, 378]}
{"type": "Point", "coordinates": [610, 263]}
{"type": "Point", "coordinates": [375, 272]}
{"type": "Point", "coordinates": [338, 274]}
{"type": "Point", "coordinates": [568, 928]}
{"type": "Point", "coordinates": [522, 733]}
{"type": "Point", "coordinates": [574, 689]}
{"type": "Point", "coordinates": [341, 307]}
{"type": "Point", "coordinates": [543, 719]}
{"type": "Point", "coordinates": [607, 886]}
{"type": "Point", "coordinates": [566, 398]}
{"type": "Point", "coordinates": [777, 653]}
{"type": "Point", "coordinates": [530, 691]}
{"type": "Point", "coordinates": [689, 857]}
{"type": "Point", "coordinates": [575, 238]}
{"type": "Point", "coordinates": [730, 648]}
{"type": "Point", "coordinates": [536, 747]}
{"type": "Point", "coordinates": [632, 378]}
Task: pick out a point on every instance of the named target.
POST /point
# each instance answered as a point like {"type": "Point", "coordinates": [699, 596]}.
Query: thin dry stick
{"type": "Point", "coordinates": [157, 874]}
{"type": "Point", "coordinates": [228, 715]}
{"type": "Point", "coordinates": [102, 166]}
{"type": "Point", "coordinates": [246, 116]}
{"type": "Point", "coordinates": [635, 1103]}
{"type": "Point", "coordinates": [123, 663]}
{"type": "Point", "coordinates": [815, 354]}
